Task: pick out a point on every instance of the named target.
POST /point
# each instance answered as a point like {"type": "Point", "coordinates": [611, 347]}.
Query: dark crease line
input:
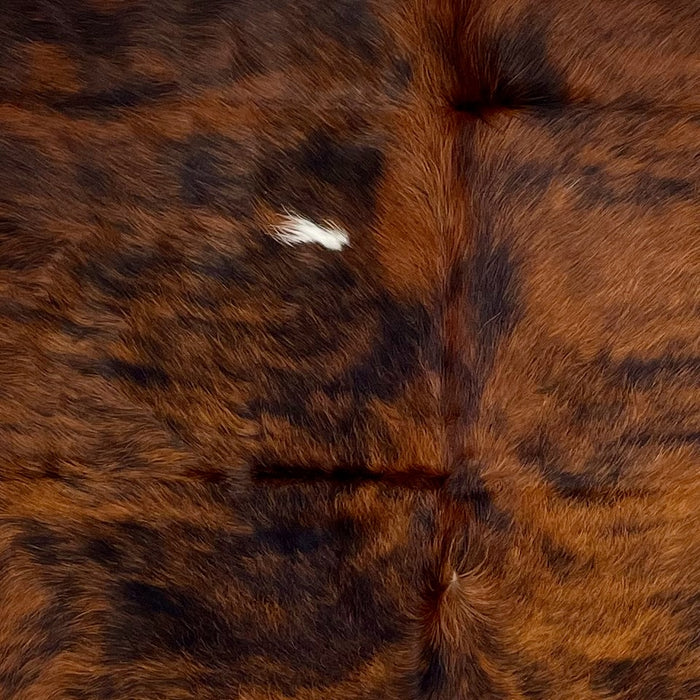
{"type": "Point", "coordinates": [643, 438]}
{"type": "Point", "coordinates": [347, 475]}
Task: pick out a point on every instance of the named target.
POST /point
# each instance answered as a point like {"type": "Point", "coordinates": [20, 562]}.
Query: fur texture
{"type": "Point", "coordinates": [454, 458]}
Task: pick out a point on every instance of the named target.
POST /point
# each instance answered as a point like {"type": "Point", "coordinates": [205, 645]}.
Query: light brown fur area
{"type": "Point", "coordinates": [449, 454]}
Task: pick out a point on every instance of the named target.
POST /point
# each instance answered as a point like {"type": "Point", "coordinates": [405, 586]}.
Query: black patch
{"type": "Point", "coordinates": [643, 374]}
{"type": "Point", "coordinates": [146, 376]}
{"type": "Point", "coordinates": [589, 486]}
{"type": "Point", "coordinates": [527, 76]}
{"type": "Point", "coordinates": [308, 332]}
{"type": "Point", "coordinates": [321, 321]}
{"type": "Point", "coordinates": [351, 24]}
{"type": "Point", "coordinates": [93, 179]}
{"type": "Point", "coordinates": [488, 275]}
{"type": "Point", "coordinates": [149, 601]}
{"type": "Point", "coordinates": [395, 356]}
{"type": "Point", "coordinates": [646, 678]}
{"type": "Point", "coordinates": [593, 186]}
{"type": "Point", "coordinates": [366, 612]}
{"type": "Point", "coordinates": [532, 179]}
{"type": "Point", "coordinates": [54, 625]}
{"type": "Point", "coordinates": [597, 188]}
{"type": "Point", "coordinates": [286, 396]}
{"type": "Point", "coordinates": [123, 275]}
{"type": "Point", "coordinates": [51, 627]}
{"type": "Point", "coordinates": [573, 485]}
{"type": "Point", "coordinates": [280, 474]}
{"type": "Point", "coordinates": [627, 529]}
{"type": "Point", "coordinates": [558, 559]}
{"type": "Point", "coordinates": [228, 271]}
{"type": "Point", "coordinates": [536, 682]}
{"type": "Point", "coordinates": [673, 438]}
{"type": "Point", "coordinates": [141, 543]}
{"type": "Point", "coordinates": [493, 293]}
{"type": "Point", "coordinates": [102, 551]}
{"type": "Point", "coordinates": [465, 484]}
{"type": "Point", "coordinates": [26, 314]}
{"type": "Point", "coordinates": [689, 613]}
{"type": "Point", "coordinates": [537, 449]}
{"type": "Point", "coordinates": [21, 248]}
{"type": "Point", "coordinates": [202, 175]}
{"type": "Point", "coordinates": [650, 189]}
{"type": "Point", "coordinates": [478, 107]}
{"type": "Point", "coordinates": [14, 680]}
{"type": "Point", "coordinates": [437, 681]}
{"type": "Point", "coordinates": [584, 487]}
{"type": "Point", "coordinates": [342, 164]}
{"type": "Point", "coordinates": [52, 630]}
{"type": "Point", "coordinates": [295, 178]}
{"type": "Point", "coordinates": [289, 540]}
{"type": "Point", "coordinates": [403, 73]}
{"type": "Point", "coordinates": [148, 620]}
{"type": "Point", "coordinates": [686, 610]}
{"type": "Point", "coordinates": [433, 678]}
{"type": "Point", "coordinates": [45, 546]}
{"type": "Point", "coordinates": [336, 276]}
{"type": "Point", "coordinates": [319, 587]}
{"type": "Point", "coordinates": [98, 688]}
{"type": "Point", "coordinates": [617, 676]}
{"type": "Point", "coordinates": [217, 173]}
{"type": "Point", "coordinates": [216, 10]}
{"type": "Point", "coordinates": [40, 20]}
{"type": "Point", "coordinates": [98, 33]}
{"type": "Point", "coordinates": [264, 34]}
{"type": "Point", "coordinates": [109, 103]}
{"type": "Point", "coordinates": [276, 23]}
{"type": "Point", "coordinates": [23, 165]}
{"type": "Point", "coordinates": [70, 23]}
{"type": "Point", "coordinates": [493, 517]}
{"type": "Point", "coordinates": [690, 689]}
{"type": "Point", "coordinates": [297, 556]}
{"type": "Point", "coordinates": [400, 348]}
{"type": "Point", "coordinates": [424, 520]}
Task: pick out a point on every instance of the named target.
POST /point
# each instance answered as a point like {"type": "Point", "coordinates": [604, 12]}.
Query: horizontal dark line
{"type": "Point", "coordinates": [350, 475]}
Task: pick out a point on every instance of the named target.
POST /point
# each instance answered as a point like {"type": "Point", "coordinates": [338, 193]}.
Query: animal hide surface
{"type": "Point", "coordinates": [349, 349]}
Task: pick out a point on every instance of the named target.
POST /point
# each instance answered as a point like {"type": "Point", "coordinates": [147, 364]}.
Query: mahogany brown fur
{"type": "Point", "coordinates": [454, 459]}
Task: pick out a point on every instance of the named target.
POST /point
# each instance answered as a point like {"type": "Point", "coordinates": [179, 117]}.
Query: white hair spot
{"type": "Point", "coordinates": [295, 229]}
